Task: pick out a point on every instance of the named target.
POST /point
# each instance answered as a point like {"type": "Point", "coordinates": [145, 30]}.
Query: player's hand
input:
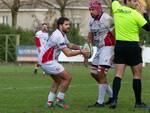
{"type": "Point", "coordinates": [85, 53]}
{"type": "Point", "coordinates": [140, 7]}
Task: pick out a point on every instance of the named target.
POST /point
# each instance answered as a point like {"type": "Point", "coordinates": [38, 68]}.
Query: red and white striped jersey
{"type": "Point", "coordinates": [55, 43]}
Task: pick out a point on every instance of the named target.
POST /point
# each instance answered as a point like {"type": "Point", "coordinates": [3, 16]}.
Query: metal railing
{"type": "Point", "coordinates": [8, 45]}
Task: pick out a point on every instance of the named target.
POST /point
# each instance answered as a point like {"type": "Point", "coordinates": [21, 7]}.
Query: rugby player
{"type": "Point", "coordinates": [41, 38]}
{"type": "Point", "coordinates": [49, 62]}
{"type": "Point", "coordinates": [101, 35]}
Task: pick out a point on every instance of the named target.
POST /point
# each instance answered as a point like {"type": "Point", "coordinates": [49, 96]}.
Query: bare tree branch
{"type": "Point", "coordinates": [72, 1]}
{"type": "Point", "coordinates": [6, 3]}
{"type": "Point", "coordinates": [14, 5]}
{"type": "Point", "coordinates": [50, 4]}
{"type": "Point", "coordinates": [107, 2]}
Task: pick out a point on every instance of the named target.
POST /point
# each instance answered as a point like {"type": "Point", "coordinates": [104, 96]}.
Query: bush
{"type": "Point", "coordinates": [26, 36]}
{"type": "Point", "coordinates": [75, 37]}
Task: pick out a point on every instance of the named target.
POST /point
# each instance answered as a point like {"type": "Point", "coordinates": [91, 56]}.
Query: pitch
{"type": "Point", "coordinates": [23, 92]}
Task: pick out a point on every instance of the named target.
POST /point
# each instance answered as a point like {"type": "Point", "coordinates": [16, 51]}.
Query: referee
{"type": "Point", "coordinates": [128, 23]}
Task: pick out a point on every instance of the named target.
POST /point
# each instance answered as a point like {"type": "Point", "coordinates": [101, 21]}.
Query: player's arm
{"type": "Point", "coordinates": [38, 43]}
{"type": "Point", "coordinates": [73, 46]}
{"type": "Point", "coordinates": [62, 44]}
{"type": "Point", "coordinates": [147, 25]}
{"type": "Point", "coordinates": [68, 52]}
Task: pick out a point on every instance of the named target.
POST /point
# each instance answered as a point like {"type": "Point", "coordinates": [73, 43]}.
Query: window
{"type": "Point", "coordinates": [3, 19]}
{"type": "Point", "coordinates": [76, 21]}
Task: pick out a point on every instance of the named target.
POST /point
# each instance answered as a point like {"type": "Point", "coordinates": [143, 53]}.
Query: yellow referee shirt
{"type": "Point", "coordinates": [127, 22]}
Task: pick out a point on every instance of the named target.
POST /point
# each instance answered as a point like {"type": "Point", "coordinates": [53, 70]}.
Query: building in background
{"type": "Point", "coordinates": [30, 16]}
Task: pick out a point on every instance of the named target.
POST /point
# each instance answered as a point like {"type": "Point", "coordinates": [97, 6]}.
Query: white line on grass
{"type": "Point", "coordinates": [41, 87]}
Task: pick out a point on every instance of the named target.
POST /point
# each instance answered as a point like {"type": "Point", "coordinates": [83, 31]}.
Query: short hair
{"type": "Point", "coordinates": [61, 21]}
{"type": "Point", "coordinates": [44, 24]}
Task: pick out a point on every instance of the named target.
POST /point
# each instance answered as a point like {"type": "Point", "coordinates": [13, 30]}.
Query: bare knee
{"type": "Point", "coordinates": [102, 80]}
{"type": "Point", "coordinates": [137, 70]}
{"type": "Point", "coordinates": [102, 74]}
{"type": "Point", "coordinates": [66, 78]}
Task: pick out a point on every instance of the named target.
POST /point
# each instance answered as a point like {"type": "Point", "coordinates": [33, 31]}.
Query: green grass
{"type": "Point", "coordinates": [22, 92]}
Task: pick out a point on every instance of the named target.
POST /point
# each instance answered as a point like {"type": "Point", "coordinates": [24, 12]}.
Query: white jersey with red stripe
{"type": "Point", "coordinates": [101, 31]}
{"type": "Point", "coordinates": [56, 42]}
{"type": "Point", "coordinates": [41, 38]}
{"type": "Point", "coordinates": [40, 41]}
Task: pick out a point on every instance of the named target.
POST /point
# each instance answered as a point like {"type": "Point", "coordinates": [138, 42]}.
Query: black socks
{"type": "Point", "coordinates": [116, 87]}
{"type": "Point", "coordinates": [137, 90]}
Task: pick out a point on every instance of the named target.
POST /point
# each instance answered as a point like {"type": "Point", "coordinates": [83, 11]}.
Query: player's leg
{"type": "Point", "coordinates": [95, 75]}
{"type": "Point", "coordinates": [65, 81]}
{"type": "Point", "coordinates": [53, 90]}
{"type": "Point", "coordinates": [102, 57]}
{"type": "Point", "coordinates": [100, 77]}
{"type": "Point", "coordinates": [105, 61]}
{"type": "Point", "coordinates": [56, 70]}
{"type": "Point", "coordinates": [36, 68]}
{"type": "Point", "coordinates": [94, 72]}
{"type": "Point", "coordinates": [94, 67]}
{"type": "Point", "coordinates": [103, 86]}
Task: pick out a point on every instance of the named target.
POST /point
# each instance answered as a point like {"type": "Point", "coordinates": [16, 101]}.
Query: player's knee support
{"type": "Point", "coordinates": [103, 69]}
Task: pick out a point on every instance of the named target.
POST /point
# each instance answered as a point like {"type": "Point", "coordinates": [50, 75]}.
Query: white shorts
{"type": "Point", "coordinates": [52, 67]}
{"type": "Point", "coordinates": [104, 56]}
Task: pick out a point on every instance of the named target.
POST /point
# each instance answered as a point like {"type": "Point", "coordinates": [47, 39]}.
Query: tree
{"type": "Point", "coordinates": [14, 6]}
{"type": "Point", "coordinates": [61, 5]}
{"type": "Point", "coordinates": [148, 6]}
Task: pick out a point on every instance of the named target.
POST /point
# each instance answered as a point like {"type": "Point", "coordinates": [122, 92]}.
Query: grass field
{"type": "Point", "coordinates": [23, 92]}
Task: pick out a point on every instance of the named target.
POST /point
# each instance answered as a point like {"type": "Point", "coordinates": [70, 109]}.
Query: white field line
{"type": "Point", "coordinates": [45, 87]}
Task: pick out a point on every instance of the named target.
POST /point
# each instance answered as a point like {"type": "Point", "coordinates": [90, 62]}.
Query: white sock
{"type": "Point", "coordinates": [61, 96]}
{"type": "Point", "coordinates": [51, 97]}
{"type": "Point", "coordinates": [109, 91]}
{"type": "Point", "coordinates": [102, 91]}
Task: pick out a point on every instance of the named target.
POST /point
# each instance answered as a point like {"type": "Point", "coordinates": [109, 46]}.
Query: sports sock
{"type": "Point", "coordinates": [60, 96]}
{"type": "Point", "coordinates": [116, 87]}
{"type": "Point", "coordinates": [109, 91]}
{"type": "Point", "coordinates": [137, 90]}
{"type": "Point", "coordinates": [51, 97]}
{"type": "Point", "coordinates": [102, 91]}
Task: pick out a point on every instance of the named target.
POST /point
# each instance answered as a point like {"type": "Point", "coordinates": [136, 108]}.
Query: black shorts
{"type": "Point", "coordinates": [129, 53]}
